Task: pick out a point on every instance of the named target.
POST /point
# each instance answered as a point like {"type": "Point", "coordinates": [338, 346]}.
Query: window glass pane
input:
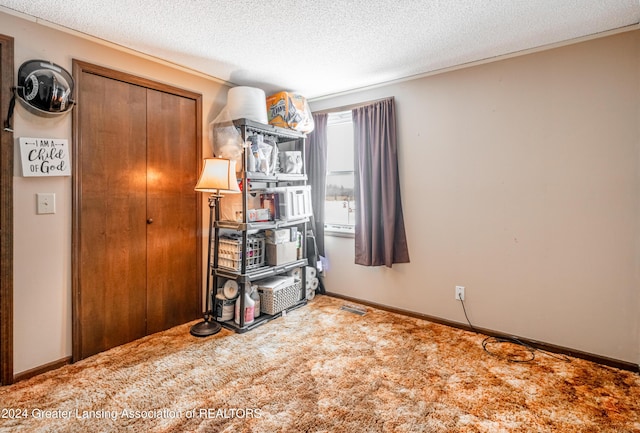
{"type": "Point", "coordinates": [339, 205]}
{"type": "Point", "coordinates": [340, 145]}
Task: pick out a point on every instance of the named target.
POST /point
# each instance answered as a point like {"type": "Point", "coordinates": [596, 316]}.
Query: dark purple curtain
{"type": "Point", "coordinates": [316, 164]}
{"type": "Point", "coordinates": [380, 235]}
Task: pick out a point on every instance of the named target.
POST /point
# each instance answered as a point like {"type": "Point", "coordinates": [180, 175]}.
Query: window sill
{"type": "Point", "coordinates": [339, 231]}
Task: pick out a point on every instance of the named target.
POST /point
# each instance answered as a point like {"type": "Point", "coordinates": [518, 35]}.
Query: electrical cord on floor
{"type": "Point", "coordinates": [513, 340]}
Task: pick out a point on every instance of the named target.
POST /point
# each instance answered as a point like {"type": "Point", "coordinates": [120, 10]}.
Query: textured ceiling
{"type": "Point", "coordinates": [320, 47]}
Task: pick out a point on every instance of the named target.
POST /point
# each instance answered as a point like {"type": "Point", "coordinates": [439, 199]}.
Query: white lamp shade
{"type": "Point", "coordinates": [218, 175]}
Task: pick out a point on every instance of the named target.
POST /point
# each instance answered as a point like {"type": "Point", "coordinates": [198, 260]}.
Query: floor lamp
{"type": "Point", "coordinates": [218, 176]}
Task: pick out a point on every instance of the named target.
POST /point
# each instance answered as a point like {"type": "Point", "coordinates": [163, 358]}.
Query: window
{"type": "Point", "coordinates": [339, 205]}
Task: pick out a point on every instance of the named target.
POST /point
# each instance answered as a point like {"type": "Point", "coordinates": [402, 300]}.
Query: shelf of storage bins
{"type": "Point", "coordinates": [263, 225]}
{"type": "Point", "coordinates": [252, 182]}
{"type": "Point", "coordinates": [263, 318]}
{"type": "Point", "coordinates": [259, 273]}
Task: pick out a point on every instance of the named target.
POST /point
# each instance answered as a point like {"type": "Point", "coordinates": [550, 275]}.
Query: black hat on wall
{"type": "Point", "coordinates": [45, 88]}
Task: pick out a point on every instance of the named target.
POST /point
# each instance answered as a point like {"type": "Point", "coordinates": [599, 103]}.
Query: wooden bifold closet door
{"type": "Point", "coordinates": [136, 258]}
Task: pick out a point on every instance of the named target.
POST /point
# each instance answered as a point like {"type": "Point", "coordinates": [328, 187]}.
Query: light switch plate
{"type": "Point", "coordinates": [46, 203]}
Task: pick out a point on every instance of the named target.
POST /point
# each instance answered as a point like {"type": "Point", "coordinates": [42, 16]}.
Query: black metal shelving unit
{"type": "Point", "coordinates": [253, 182]}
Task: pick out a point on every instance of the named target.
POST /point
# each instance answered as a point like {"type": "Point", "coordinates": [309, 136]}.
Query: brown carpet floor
{"type": "Point", "coordinates": [322, 369]}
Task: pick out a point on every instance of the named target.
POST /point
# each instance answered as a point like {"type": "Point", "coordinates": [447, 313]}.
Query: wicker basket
{"type": "Point", "coordinates": [230, 253]}
{"type": "Point", "coordinates": [273, 301]}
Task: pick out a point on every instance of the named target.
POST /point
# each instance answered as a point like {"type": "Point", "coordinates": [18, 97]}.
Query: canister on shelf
{"type": "Point", "coordinates": [223, 308]}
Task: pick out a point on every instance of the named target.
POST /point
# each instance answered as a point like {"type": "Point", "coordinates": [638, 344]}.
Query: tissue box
{"type": "Point", "coordinates": [279, 254]}
{"type": "Point", "coordinates": [258, 215]}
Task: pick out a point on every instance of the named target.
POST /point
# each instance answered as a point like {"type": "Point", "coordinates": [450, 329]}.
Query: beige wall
{"type": "Point", "coordinates": [42, 251]}
{"type": "Point", "coordinates": [520, 180]}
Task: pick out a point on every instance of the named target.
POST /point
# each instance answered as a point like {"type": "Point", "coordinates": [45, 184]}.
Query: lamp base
{"type": "Point", "coordinates": [205, 328]}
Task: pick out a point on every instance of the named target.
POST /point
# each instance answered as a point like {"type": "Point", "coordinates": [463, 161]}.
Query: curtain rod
{"type": "Point", "coordinates": [350, 106]}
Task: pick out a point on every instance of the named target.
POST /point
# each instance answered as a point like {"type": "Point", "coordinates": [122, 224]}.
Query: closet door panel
{"type": "Point", "coordinates": [173, 292]}
{"type": "Point", "coordinates": [112, 271]}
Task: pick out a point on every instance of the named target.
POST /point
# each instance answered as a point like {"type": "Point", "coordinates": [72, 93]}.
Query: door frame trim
{"type": "Point", "coordinates": [80, 67]}
{"type": "Point", "coordinates": [6, 215]}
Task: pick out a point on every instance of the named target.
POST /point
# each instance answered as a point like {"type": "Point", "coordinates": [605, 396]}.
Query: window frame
{"type": "Point", "coordinates": [335, 229]}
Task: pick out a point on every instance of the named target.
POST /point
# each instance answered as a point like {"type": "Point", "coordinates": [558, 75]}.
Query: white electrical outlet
{"type": "Point", "coordinates": [459, 293]}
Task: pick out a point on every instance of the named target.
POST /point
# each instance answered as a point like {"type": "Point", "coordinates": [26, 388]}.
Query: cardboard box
{"type": "Point", "coordinates": [279, 254]}
{"type": "Point", "coordinates": [278, 236]}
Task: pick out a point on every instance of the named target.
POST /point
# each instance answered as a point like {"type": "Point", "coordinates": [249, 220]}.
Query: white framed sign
{"type": "Point", "coordinates": [45, 157]}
